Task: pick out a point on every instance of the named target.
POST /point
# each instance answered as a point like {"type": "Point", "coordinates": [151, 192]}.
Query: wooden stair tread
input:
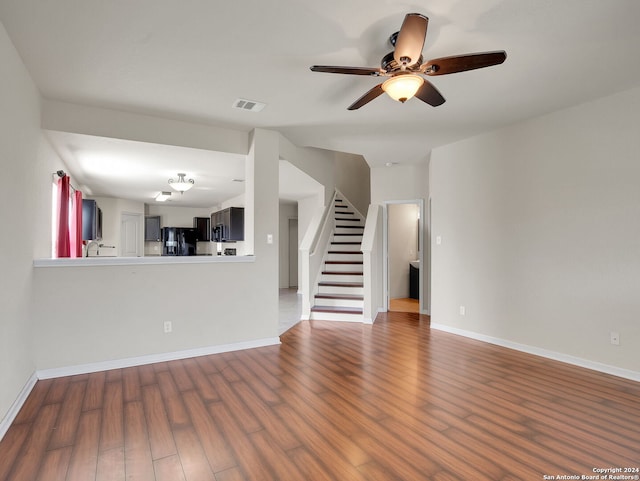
{"type": "Point", "coordinates": [350, 226]}
{"type": "Point", "coordinates": [346, 297]}
{"type": "Point", "coordinates": [345, 252]}
{"type": "Point", "coordinates": [347, 219]}
{"type": "Point", "coordinates": [352, 234]}
{"type": "Point", "coordinates": [344, 262]}
{"type": "Point", "coordinates": [346, 243]}
{"type": "Point", "coordinates": [340, 284]}
{"type": "Point", "coordinates": [337, 310]}
{"type": "Point", "coordinates": [341, 273]}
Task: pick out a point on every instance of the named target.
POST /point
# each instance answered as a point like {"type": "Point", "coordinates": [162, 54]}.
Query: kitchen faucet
{"type": "Point", "coordinates": [89, 244]}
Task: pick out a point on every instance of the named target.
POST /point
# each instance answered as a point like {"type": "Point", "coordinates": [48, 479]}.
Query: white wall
{"type": "Point", "coordinates": [399, 182]}
{"type": "Point", "coordinates": [353, 179]}
{"type": "Point", "coordinates": [112, 210]}
{"type": "Point", "coordinates": [173, 216]}
{"type": "Point", "coordinates": [406, 183]}
{"type": "Point", "coordinates": [20, 155]}
{"type": "Point", "coordinates": [540, 228]}
{"type": "Point", "coordinates": [82, 119]}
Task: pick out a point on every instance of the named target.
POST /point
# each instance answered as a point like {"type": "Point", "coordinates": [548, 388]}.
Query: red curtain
{"type": "Point", "coordinates": [76, 225]}
{"type": "Point", "coordinates": [63, 244]}
{"type": "Point", "coordinates": [69, 221]}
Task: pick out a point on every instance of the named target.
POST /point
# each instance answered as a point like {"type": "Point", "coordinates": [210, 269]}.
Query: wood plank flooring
{"type": "Point", "coordinates": [404, 304]}
{"type": "Point", "coordinates": [335, 401]}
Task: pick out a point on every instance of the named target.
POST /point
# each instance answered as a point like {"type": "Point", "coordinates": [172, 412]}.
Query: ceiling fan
{"type": "Point", "coordinates": [404, 66]}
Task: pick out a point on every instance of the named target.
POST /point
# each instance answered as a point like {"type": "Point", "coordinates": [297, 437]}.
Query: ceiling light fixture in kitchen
{"type": "Point", "coordinates": [162, 196]}
{"type": "Point", "coordinates": [181, 185]}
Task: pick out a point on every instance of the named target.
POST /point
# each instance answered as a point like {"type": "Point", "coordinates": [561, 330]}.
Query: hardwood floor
{"type": "Point", "coordinates": [404, 304]}
{"type": "Point", "coordinates": [335, 401]}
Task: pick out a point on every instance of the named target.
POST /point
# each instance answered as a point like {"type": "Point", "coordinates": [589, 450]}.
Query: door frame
{"type": "Point", "coordinates": [293, 252]}
{"type": "Point", "coordinates": [421, 254]}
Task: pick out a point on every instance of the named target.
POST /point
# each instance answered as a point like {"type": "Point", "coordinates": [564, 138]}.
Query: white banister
{"type": "Point", "coordinates": [372, 263]}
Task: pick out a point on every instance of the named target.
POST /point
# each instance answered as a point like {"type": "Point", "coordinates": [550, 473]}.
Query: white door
{"type": "Point", "coordinates": [130, 227]}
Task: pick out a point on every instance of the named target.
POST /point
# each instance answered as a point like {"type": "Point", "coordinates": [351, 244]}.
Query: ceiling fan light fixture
{"type": "Point", "coordinates": [181, 185]}
{"type": "Point", "coordinates": [402, 87]}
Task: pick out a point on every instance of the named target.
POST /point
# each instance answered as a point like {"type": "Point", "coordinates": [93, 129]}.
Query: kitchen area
{"type": "Point", "coordinates": [219, 233]}
{"type": "Point", "coordinates": [121, 228]}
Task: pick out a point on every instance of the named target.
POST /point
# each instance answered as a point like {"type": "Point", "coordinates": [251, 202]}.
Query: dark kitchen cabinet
{"type": "Point", "coordinates": [91, 220]}
{"type": "Point", "coordinates": [202, 225]}
{"type": "Point", "coordinates": [152, 230]}
{"type": "Point", "coordinates": [227, 225]}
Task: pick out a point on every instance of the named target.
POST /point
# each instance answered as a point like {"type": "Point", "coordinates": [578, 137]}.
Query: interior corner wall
{"type": "Point", "coordinates": [353, 179]}
{"type": "Point", "coordinates": [540, 226]}
{"type": "Point", "coordinates": [20, 139]}
{"type": "Point", "coordinates": [316, 163]}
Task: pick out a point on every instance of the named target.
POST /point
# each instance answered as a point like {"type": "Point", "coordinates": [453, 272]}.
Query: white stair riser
{"type": "Point", "coordinates": [349, 228]}
{"type": "Point", "coordinates": [330, 316]}
{"type": "Point", "coordinates": [339, 302]}
{"type": "Point", "coordinates": [347, 238]}
{"type": "Point", "coordinates": [341, 278]}
{"type": "Point", "coordinates": [356, 291]}
{"type": "Point", "coordinates": [346, 247]}
{"type": "Point", "coordinates": [343, 267]}
{"type": "Point", "coordinates": [345, 257]}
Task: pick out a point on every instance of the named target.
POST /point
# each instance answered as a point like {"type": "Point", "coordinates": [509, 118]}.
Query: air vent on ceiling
{"type": "Point", "coordinates": [251, 105]}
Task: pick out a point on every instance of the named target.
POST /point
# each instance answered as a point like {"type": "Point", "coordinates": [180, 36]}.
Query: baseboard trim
{"type": "Point", "coordinates": [149, 359]}
{"type": "Point", "coordinates": [556, 356]}
{"type": "Point", "coordinates": [13, 411]}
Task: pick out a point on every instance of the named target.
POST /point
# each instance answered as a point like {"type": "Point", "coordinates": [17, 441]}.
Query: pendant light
{"type": "Point", "coordinates": [181, 185]}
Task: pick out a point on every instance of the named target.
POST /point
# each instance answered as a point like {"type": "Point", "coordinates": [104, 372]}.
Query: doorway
{"type": "Point", "coordinates": [130, 234]}
{"type": "Point", "coordinates": [403, 240]}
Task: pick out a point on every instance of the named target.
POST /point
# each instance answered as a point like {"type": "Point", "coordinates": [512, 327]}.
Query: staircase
{"type": "Point", "coordinates": [340, 288]}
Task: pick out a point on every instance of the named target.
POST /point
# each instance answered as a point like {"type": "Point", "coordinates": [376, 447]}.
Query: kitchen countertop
{"type": "Point", "coordinates": [149, 260]}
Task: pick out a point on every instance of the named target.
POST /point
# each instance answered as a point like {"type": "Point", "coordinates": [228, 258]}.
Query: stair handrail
{"type": "Point", "coordinates": [324, 223]}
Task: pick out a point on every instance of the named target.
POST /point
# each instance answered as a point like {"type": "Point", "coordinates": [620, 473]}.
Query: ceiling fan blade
{"type": "Point", "coordinates": [366, 98]}
{"type": "Point", "coordinates": [429, 94]}
{"type": "Point", "coordinates": [410, 39]}
{"type": "Point", "coordinates": [461, 63]}
{"type": "Point", "coordinates": [347, 70]}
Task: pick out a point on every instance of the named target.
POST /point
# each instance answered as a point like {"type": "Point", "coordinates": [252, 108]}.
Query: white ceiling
{"type": "Point", "coordinates": [190, 60]}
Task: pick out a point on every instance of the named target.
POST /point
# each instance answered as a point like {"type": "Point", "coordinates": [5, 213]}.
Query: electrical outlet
{"type": "Point", "coordinates": [168, 327]}
{"type": "Point", "coordinates": [463, 310]}
{"type": "Point", "coordinates": [615, 338]}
